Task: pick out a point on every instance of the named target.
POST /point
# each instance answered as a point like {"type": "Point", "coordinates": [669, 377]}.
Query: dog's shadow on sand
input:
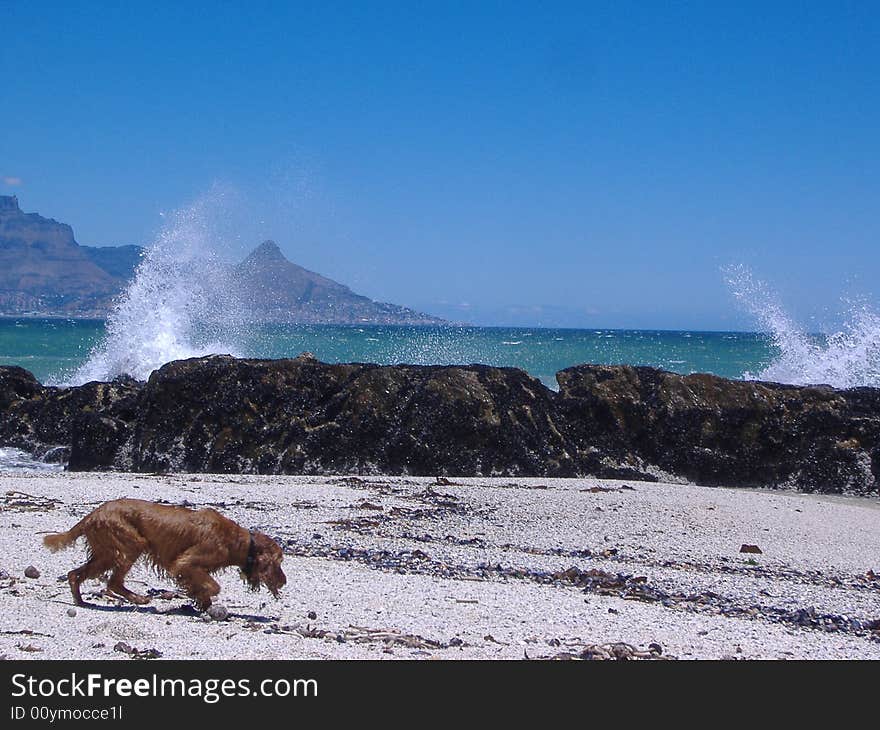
{"type": "Point", "coordinates": [187, 610]}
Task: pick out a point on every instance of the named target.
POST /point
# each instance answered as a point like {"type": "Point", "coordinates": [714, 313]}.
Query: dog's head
{"type": "Point", "coordinates": [266, 569]}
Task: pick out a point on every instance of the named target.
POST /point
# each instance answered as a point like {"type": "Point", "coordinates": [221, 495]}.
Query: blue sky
{"type": "Point", "coordinates": [578, 164]}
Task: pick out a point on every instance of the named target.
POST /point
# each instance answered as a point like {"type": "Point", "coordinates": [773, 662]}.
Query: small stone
{"type": "Point", "coordinates": [754, 549]}
{"type": "Point", "coordinates": [312, 615]}
{"type": "Point", "coordinates": [218, 612]}
{"type": "Point", "coordinates": [71, 612]}
{"type": "Point", "coordinates": [4, 575]}
{"type": "Point", "coordinates": [31, 572]}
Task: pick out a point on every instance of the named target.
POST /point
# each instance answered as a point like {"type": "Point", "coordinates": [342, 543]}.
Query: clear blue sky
{"type": "Point", "coordinates": [591, 163]}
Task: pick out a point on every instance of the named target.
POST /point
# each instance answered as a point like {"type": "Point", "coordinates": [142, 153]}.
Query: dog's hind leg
{"type": "Point", "coordinates": [116, 584]}
{"type": "Point", "coordinates": [93, 568]}
{"type": "Point", "coordinates": [126, 544]}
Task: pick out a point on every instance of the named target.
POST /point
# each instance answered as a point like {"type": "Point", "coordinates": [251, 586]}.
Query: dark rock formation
{"type": "Point", "coordinates": [301, 416]}
{"type": "Point", "coordinates": [46, 420]}
{"type": "Point", "coordinates": [727, 432]}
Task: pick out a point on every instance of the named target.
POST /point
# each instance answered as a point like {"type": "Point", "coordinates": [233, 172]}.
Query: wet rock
{"type": "Point", "coordinates": [43, 420]}
{"type": "Point", "coordinates": [298, 416]}
{"type": "Point", "coordinates": [726, 432]}
{"type": "Point", "coordinates": [96, 439]}
{"type": "Point", "coordinates": [17, 384]}
{"type": "Point", "coordinates": [221, 414]}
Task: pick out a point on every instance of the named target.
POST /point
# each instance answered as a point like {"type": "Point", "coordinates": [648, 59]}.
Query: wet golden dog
{"type": "Point", "coordinates": [187, 545]}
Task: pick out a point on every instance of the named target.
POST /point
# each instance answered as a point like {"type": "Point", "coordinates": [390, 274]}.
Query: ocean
{"type": "Point", "coordinates": [56, 350]}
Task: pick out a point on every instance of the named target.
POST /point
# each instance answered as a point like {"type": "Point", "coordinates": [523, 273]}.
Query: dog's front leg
{"type": "Point", "coordinates": [199, 585]}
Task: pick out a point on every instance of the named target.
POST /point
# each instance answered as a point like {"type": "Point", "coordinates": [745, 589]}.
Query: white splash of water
{"type": "Point", "coordinates": [181, 302]}
{"type": "Point", "coordinates": [16, 460]}
{"type": "Point", "coordinates": [847, 358]}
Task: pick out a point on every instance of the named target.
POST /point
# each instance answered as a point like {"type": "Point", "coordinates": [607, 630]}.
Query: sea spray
{"type": "Point", "coordinates": [847, 358]}
{"type": "Point", "coordinates": [16, 460]}
{"type": "Point", "coordinates": [181, 303]}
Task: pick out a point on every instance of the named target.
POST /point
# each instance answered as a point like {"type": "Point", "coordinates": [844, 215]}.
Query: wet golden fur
{"type": "Point", "coordinates": [187, 545]}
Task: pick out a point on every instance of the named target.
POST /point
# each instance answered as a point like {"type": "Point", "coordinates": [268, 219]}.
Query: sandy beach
{"type": "Point", "coordinates": [503, 568]}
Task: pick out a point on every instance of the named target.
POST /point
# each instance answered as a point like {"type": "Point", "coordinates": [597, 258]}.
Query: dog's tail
{"type": "Point", "coordinates": [61, 540]}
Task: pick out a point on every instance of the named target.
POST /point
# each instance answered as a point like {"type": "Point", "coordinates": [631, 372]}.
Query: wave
{"type": "Point", "coordinates": [180, 304]}
{"type": "Point", "coordinates": [16, 460]}
{"type": "Point", "coordinates": [847, 358]}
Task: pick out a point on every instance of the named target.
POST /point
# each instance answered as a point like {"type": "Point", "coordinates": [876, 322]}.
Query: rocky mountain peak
{"type": "Point", "coordinates": [267, 251]}
{"type": "Point", "coordinates": [9, 204]}
{"type": "Point", "coordinates": [43, 269]}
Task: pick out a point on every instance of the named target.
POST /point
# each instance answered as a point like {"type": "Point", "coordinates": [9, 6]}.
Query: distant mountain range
{"type": "Point", "coordinates": [44, 271]}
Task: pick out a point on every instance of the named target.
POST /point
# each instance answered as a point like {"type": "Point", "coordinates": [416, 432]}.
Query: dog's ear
{"type": "Point", "coordinates": [267, 565]}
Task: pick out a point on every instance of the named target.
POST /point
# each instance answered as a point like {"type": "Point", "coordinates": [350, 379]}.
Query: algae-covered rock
{"type": "Point", "coordinates": [302, 416]}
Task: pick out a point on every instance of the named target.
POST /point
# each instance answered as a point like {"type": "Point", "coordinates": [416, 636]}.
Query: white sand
{"type": "Point", "coordinates": [683, 539]}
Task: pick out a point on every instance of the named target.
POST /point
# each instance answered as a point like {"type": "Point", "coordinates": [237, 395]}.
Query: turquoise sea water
{"type": "Point", "coordinates": [52, 349]}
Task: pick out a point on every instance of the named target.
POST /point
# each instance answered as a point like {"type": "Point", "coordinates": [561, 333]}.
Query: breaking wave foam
{"type": "Point", "coordinates": [847, 358]}
{"type": "Point", "coordinates": [16, 460]}
{"type": "Point", "coordinates": [181, 302]}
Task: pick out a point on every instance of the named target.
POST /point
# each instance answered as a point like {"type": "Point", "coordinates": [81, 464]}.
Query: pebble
{"type": "Point", "coordinates": [312, 615]}
{"type": "Point", "coordinates": [71, 612]}
{"type": "Point", "coordinates": [31, 572]}
{"type": "Point", "coordinates": [218, 612]}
